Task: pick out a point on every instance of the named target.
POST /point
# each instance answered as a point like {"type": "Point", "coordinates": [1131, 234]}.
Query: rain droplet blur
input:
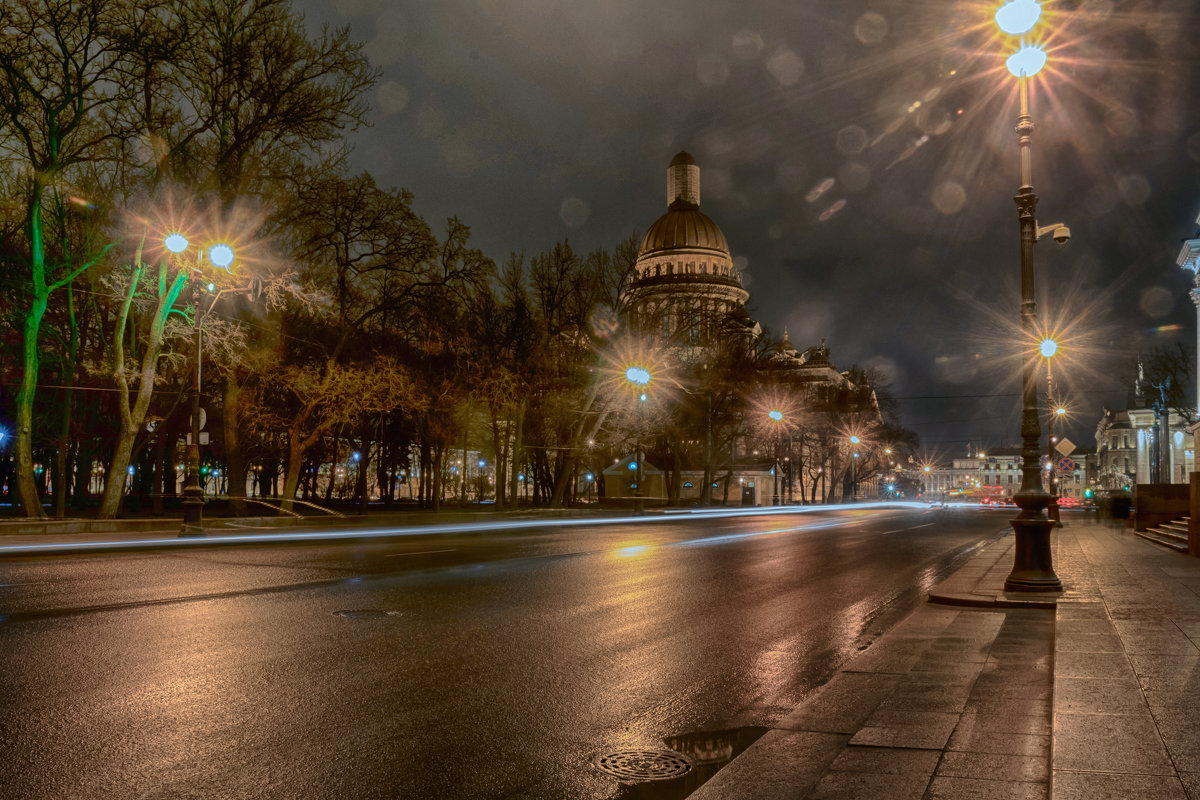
{"type": "Point", "coordinates": [851, 140]}
{"type": "Point", "coordinates": [821, 188]}
{"type": "Point", "coordinates": [871, 28]}
{"type": "Point", "coordinates": [712, 69]}
{"type": "Point", "coordinates": [574, 212]}
{"type": "Point", "coordinates": [393, 97]}
{"type": "Point", "coordinates": [785, 67]}
{"type": "Point", "coordinates": [949, 197]}
{"type": "Point", "coordinates": [854, 176]}
{"type": "Point", "coordinates": [1134, 189]}
{"type": "Point", "coordinates": [1193, 146]}
{"type": "Point", "coordinates": [747, 44]}
{"type": "Point", "coordinates": [1156, 302]}
{"type": "Point", "coordinates": [833, 209]}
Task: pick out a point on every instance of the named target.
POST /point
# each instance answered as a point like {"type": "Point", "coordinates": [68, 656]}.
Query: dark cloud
{"type": "Point", "coordinates": [860, 158]}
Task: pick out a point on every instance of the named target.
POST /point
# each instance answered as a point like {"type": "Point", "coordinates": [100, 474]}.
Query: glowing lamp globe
{"type": "Point", "coordinates": [638, 375]}
{"type": "Point", "coordinates": [855, 440]}
{"type": "Point", "coordinates": [1060, 411]}
{"type": "Point", "coordinates": [1027, 62]}
{"type": "Point", "coordinates": [176, 242]}
{"type": "Point", "coordinates": [221, 255]}
{"type": "Point", "coordinates": [1018, 16]}
{"type": "Point", "coordinates": [1049, 347]}
{"type": "Point", "coordinates": [775, 414]}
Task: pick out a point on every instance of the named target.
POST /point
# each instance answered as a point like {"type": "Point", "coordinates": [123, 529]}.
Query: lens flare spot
{"type": "Point", "coordinates": [833, 209]}
{"type": "Point", "coordinates": [949, 197]}
{"type": "Point", "coordinates": [786, 67]}
{"type": "Point", "coordinates": [871, 28]}
{"type": "Point", "coordinates": [821, 188]}
{"type": "Point", "coordinates": [851, 140]}
{"type": "Point", "coordinates": [574, 212]}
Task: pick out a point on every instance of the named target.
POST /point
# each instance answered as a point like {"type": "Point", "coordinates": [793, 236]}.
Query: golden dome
{"type": "Point", "coordinates": [683, 229]}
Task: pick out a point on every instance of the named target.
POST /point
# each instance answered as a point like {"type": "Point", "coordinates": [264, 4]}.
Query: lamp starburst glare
{"type": "Point", "coordinates": [638, 375]}
{"type": "Point", "coordinates": [1048, 348]}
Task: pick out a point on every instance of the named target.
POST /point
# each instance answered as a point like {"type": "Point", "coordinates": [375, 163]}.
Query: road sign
{"type": "Point", "coordinates": [1065, 446]}
{"type": "Point", "coordinates": [1066, 464]}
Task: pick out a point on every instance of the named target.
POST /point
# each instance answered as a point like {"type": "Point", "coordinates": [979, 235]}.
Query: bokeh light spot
{"type": "Point", "coordinates": [393, 97]}
{"type": "Point", "coordinates": [747, 44]}
{"type": "Point", "coordinates": [854, 176]}
{"type": "Point", "coordinates": [574, 212]}
{"type": "Point", "coordinates": [851, 140]}
{"type": "Point", "coordinates": [949, 197]}
{"type": "Point", "coordinates": [1156, 302]}
{"type": "Point", "coordinates": [871, 28]}
{"type": "Point", "coordinates": [1134, 189]}
{"type": "Point", "coordinates": [712, 69]}
{"type": "Point", "coordinates": [821, 188]}
{"type": "Point", "coordinates": [833, 209]}
{"type": "Point", "coordinates": [786, 67]}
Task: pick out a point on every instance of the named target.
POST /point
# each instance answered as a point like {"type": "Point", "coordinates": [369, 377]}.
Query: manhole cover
{"type": "Point", "coordinates": [366, 614]}
{"type": "Point", "coordinates": [644, 765]}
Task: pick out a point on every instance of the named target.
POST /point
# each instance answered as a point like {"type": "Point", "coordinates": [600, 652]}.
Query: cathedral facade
{"type": "Point", "coordinates": [686, 295]}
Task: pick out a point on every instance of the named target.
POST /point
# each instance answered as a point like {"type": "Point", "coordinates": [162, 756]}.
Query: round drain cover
{"type": "Point", "coordinates": [644, 765]}
{"type": "Point", "coordinates": [366, 614]}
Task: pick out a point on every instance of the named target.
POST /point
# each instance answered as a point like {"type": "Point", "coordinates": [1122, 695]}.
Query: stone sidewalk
{"type": "Point", "coordinates": [1094, 693]}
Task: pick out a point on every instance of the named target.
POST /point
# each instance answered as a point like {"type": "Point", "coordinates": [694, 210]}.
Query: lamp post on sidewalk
{"type": "Point", "coordinates": [220, 255]}
{"type": "Point", "coordinates": [1049, 349]}
{"type": "Point", "coordinates": [639, 377]}
{"type": "Point", "coordinates": [1033, 568]}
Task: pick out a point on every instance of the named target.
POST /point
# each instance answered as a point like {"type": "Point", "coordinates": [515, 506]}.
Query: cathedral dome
{"type": "Point", "coordinates": [683, 228]}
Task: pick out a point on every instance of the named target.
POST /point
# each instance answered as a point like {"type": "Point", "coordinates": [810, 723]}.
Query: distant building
{"type": "Point", "coordinates": [1125, 444]}
{"type": "Point", "coordinates": [686, 293]}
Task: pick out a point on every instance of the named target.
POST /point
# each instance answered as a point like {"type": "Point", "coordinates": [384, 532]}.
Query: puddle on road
{"type": "Point", "coordinates": [708, 750]}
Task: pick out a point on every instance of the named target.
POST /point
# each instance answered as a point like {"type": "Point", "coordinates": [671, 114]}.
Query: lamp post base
{"type": "Point", "coordinates": [193, 512]}
{"type": "Point", "coordinates": [1033, 568]}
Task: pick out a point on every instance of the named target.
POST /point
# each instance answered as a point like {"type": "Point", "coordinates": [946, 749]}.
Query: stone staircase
{"type": "Point", "coordinates": [1173, 534]}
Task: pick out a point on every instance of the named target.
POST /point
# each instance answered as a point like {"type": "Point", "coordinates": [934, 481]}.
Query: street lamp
{"type": "Point", "coordinates": [220, 255]}
{"type": "Point", "coordinates": [1033, 568]}
{"type": "Point", "coordinates": [854, 440]}
{"type": "Point", "coordinates": [638, 377]}
{"type": "Point", "coordinates": [1048, 349]}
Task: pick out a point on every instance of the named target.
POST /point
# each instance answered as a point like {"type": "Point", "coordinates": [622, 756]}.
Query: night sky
{"type": "Point", "coordinates": [859, 156]}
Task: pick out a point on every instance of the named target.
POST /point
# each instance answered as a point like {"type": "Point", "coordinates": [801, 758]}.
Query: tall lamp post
{"type": "Point", "coordinates": [775, 416]}
{"type": "Point", "coordinates": [1033, 568]}
{"type": "Point", "coordinates": [1049, 348]}
{"type": "Point", "coordinates": [220, 255]}
{"type": "Point", "coordinates": [639, 377]}
{"type": "Point", "coordinates": [856, 441]}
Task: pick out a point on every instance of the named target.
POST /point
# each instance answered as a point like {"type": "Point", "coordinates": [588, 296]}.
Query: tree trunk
{"type": "Point", "coordinates": [514, 479]}
{"type": "Point", "coordinates": [26, 485]}
{"type": "Point", "coordinates": [235, 455]}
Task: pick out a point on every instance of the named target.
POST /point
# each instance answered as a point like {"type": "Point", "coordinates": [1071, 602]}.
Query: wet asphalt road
{"type": "Point", "coordinates": [488, 665]}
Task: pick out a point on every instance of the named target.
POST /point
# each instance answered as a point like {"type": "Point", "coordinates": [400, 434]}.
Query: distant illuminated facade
{"type": "Point", "coordinates": [686, 294]}
{"type": "Point", "coordinates": [1125, 445]}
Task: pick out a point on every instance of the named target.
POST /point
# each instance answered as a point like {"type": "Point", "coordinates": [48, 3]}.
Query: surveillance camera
{"type": "Point", "coordinates": [1062, 234]}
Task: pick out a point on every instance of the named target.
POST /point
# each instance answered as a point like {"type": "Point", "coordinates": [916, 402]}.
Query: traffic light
{"type": "Point", "coordinates": [1087, 492]}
